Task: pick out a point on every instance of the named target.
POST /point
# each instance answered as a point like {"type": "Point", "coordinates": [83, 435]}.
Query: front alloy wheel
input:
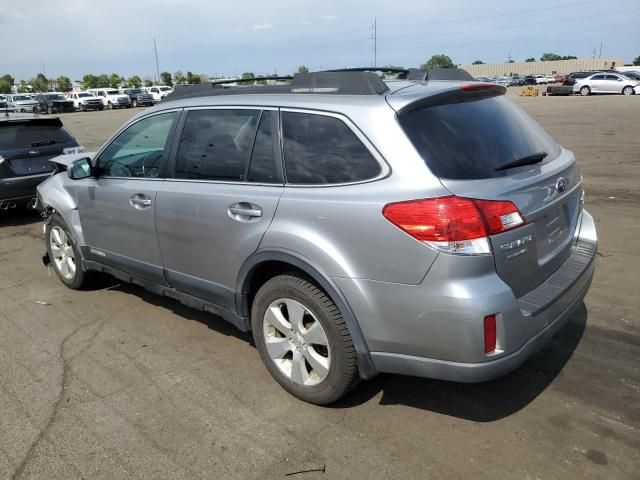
{"type": "Point", "coordinates": [63, 256]}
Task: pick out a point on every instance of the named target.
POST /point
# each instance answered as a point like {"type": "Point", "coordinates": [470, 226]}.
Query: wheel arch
{"type": "Point", "coordinates": [265, 264]}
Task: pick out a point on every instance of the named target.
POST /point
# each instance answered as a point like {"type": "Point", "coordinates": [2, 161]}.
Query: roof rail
{"type": "Point", "coordinates": [231, 81]}
{"type": "Point", "coordinates": [337, 83]}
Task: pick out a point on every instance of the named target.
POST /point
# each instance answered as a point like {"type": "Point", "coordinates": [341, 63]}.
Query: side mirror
{"type": "Point", "coordinates": [79, 169]}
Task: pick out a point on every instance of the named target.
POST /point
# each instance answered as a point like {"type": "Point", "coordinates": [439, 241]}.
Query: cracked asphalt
{"type": "Point", "coordinates": [115, 383]}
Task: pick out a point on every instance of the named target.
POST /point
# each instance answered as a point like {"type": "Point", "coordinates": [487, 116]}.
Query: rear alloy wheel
{"type": "Point", "coordinates": [303, 340]}
{"type": "Point", "coordinates": [584, 91]}
{"type": "Point", "coordinates": [110, 105]}
{"type": "Point", "coordinates": [135, 103]}
{"type": "Point", "coordinates": [628, 90]}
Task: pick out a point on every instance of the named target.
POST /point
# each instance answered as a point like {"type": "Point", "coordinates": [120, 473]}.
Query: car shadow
{"type": "Point", "coordinates": [18, 216]}
{"type": "Point", "coordinates": [479, 402]}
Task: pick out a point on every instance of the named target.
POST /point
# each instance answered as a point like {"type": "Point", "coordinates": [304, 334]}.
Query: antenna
{"type": "Point", "coordinates": [155, 49]}
{"type": "Point", "coordinates": [374, 37]}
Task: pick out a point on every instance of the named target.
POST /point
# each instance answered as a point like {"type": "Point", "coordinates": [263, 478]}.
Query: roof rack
{"type": "Point", "coordinates": [346, 81]}
{"type": "Point", "coordinates": [337, 83]}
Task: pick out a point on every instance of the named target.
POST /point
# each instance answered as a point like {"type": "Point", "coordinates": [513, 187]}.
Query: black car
{"type": "Point", "coordinates": [529, 80]}
{"type": "Point", "coordinates": [3, 101]}
{"type": "Point", "coordinates": [53, 103]}
{"type": "Point", "coordinates": [27, 142]}
{"type": "Point", "coordinates": [139, 98]}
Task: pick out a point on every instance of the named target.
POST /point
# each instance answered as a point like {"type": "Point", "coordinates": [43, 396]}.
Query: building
{"type": "Point", "coordinates": [531, 68]}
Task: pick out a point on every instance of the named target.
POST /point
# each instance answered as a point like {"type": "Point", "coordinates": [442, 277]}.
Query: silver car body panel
{"type": "Point", "coordinates": [409, 308]}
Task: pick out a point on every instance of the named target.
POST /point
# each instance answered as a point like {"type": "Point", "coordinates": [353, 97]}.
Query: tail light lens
{"type": "Point", "coordinates": [490, 333]}
{"type": "Point", "coordinates": [454, 224]}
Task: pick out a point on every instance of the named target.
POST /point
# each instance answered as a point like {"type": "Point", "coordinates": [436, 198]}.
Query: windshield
{"type": "Point", "coordinates": [165, 89]}
{"type": "Point", "coordinates": [55, 97]}
{"type": "Point", "coordinates": [82, 95]}
{"type": "Point", "coordinates": [113, 92]}
{"type": "Point", "coordinates": [469, 140]}
{"type": "Point", "coordinates": [133, 91]}
{"type": "Point", "coordinates": [21, 98]}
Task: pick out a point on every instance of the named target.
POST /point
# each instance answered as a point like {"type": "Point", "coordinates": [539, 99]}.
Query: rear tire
{"type": "Point", "coordinates": [628, 90]}
{"type": "Point", "coordinates": [295, 324]}
{"type": "Point", "coordinates": [65, 255]}
{"type": "Point", "coordinates": [110, 106]}
{"type": "Point", "coordinates": [585, 91]}
{"type": "Point", "coordinates": [135, 104]}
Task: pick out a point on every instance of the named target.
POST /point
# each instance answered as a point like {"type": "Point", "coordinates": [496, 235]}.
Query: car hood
{"type": "Point", "coordinates": [66, 160]}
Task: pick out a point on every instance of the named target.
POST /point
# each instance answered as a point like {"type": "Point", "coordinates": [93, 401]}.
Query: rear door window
{"type": "Point", "coordinates": [216, 144]}
{"type": "Point", "coordinates": [319, 149]}
{"type": "Point", "coordinates": [469, 140]}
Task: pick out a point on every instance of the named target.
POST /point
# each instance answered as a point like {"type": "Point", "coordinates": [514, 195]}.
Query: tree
{"type": "Point", "coordinates": [166, 78]}
{"type": "Point", "coordinates": [40, 83]}
{"type": "Point", "coordinates": [6, 81]}
{"type": "Point", "coordinates": [89, 81]}
{"type": "Point", "coordinates": [303, 69]}
{"type": "Point", "coordinates": [248, 75]}
{"type": "Point", "coordinates": [134, 82]}
{"type": "Point", "coordinates": [192, 78]}
{"type": "Point", "coordinates": [549, 57]}
{"type": "Point", "coordinates": [179, 77]}
{"type": "Point", "coordinates": [636, 61]}
{"type": "Point", "coordinates": [115, 80]}
{"type": "Point", "coordinates": [24, 87]}
{"type": "Point", "coordinates": [439, 61]}
{"type": "Point", "coordinates": [104, 81]}
{"type": "Point", "coordinates": [530, 59]}
{"type": "Point", "coordinates": [478, 62]}
{"type": "Point", "coordinates": [511, 61]}
{"type": "Point", "coordinates": [64, 83]}
{"type": "Point", "coordinates": [148, 82]}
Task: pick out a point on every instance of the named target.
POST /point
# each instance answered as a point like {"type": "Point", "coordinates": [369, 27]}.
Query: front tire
{"type": "Point", "coordinates": [628, 90]}
{"type": "Point", "coordinates": [303, 340]}
{"type": "Point", "coordinates": [64, 255]}
{"type": "Point", "coordinates": [135, 104]}
{"type": "Point", "coordinates": [585, 91]}
{"type": "Point", "coordinates": [110, 106]}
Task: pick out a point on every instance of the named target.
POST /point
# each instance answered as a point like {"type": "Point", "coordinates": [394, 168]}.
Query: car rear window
{"type": "Point", "coordinates": [15, 136]}
{"type": "Point", "coordinates": [469, 140]}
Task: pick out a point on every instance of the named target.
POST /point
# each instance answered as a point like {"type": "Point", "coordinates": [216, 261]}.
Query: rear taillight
{"type": "Point", "coordinates": [490, 333]}
{"type": "Point", "coordinates": [454, 224]}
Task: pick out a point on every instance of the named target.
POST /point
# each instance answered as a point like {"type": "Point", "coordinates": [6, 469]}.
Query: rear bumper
{"type": "Point", "coordinates": [435, 329]}
{"type": "Point", "coordinates": [20, 188]}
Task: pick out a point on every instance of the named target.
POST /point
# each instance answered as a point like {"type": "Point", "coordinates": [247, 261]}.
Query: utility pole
{"type": "Point", "coordinates": [155, 49]}
{"type": "Point", "coordinates": [509, 59]}
{"type": "Point", "coordinates": [374, 37]}
{"type": "Point", "coordinates": [600, 54]}
{"type": "Point", "coordinates": [43, 71]}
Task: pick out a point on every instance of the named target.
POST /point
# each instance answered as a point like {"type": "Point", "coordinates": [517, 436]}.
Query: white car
{"type": "Point", "coordinates": [541, 79]}
{"type": "Point", "coordinates": [111, 98]}
{"type": "Point", "coordinates": [158, 92]}
{"type": "Point", "coordinates": [606, 82]}
{"type": "Point", "coordinates": [22, 102]}
{"type": "Point", "coordinates": [85, 101]}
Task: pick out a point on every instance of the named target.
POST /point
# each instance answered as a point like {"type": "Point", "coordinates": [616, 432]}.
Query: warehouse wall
{"type": "Point", "coordinates": [531, 68]}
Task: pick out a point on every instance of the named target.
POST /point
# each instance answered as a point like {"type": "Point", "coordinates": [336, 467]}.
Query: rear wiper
{"type": "Point", "coordinates": [528, 160]}
{"type": "Point", "coordinates": [44, 142]}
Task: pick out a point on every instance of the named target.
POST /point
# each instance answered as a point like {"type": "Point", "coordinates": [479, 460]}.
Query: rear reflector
{"type": "Point", "coordinates": [454, 224]}
{"type": "Point", "coordinates": [490, 333]}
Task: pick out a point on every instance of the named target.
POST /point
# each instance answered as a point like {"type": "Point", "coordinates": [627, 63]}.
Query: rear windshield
{"type": "Point", "coordinates": [32, 135]}
{"type": "Point", "coordinates": [469, 140]}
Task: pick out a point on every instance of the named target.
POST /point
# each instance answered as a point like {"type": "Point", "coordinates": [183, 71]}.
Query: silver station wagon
{"type": "Point", "coordinates": [355, 226]}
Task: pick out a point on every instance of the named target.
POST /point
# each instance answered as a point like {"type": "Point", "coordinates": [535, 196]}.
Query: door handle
{"type": "Point", "coordinates": [140, 201]}
{"type": "Point", "coordinates": [244, 209]}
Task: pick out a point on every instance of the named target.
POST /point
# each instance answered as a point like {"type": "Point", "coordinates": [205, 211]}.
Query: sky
{"type": "Point", "coordinates": [226, 38]}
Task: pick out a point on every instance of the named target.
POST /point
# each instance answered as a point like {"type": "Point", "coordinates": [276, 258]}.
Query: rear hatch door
{"type": "Point", "coordinates": [473, 141]}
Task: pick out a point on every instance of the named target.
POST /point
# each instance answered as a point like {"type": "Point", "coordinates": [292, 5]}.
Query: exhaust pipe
{"type": "Point", "coordinates": [4, 205]}
{"type": "Point", "coordinates": [12, 204]}
{"type": "Point", "coordinates": [32, 204]}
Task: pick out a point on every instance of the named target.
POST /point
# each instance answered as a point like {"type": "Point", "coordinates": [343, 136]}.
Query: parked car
{"type": "Point", "coordinates": [448, 238]}
{"type": "Point", "coordinates": [573, 77]}
{"type": "Point", "coordinates": [139, 97]}
{"type": "Point", "coordinates": [22, 102]}
{"type": "Point", "coordinates": [85, 101]}
{"type": "Point", "coordinates": [631, 74]}
{"type": "Point", "coordinates": [530, 80]}
{"type": "Point", "coordinates": [53, 103]}
{"type": "Point", "coordinates": [111, 98]}
{"type": "Point", "coordinates": [27, 142]}
{"type": "Point", "coordinates": [516, 81]}
{"type": "Point", "coordinates": [483, 79]}
{"type": "Point", "coordinates": [158, 92]}
{"type": "Point", "coordinates": [605, 83]}
{"type": "Point", "coordinates": [3, 101]}
{"type": "Point", "coordinates": [558, 78]}
{"type": "Point", "coordinates": [504, 81]}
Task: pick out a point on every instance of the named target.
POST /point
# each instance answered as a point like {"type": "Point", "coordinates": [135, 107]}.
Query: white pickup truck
{"type": "Point", "coordinates": [158, 92]}
{"type": "Point", "coordinates": [85, 101]}
{"type": "Point", "coordinates": [111, 98]}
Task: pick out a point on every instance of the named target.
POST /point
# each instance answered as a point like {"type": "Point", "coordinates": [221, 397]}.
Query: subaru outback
{"type": "Point", "coordinates": [428, 228]}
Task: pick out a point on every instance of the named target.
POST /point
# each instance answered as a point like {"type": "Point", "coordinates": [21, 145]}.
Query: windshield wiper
{"type": "Point", "coordinates": [528, 160]}
{"type": "Point", "coordinates": [45, 142]}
